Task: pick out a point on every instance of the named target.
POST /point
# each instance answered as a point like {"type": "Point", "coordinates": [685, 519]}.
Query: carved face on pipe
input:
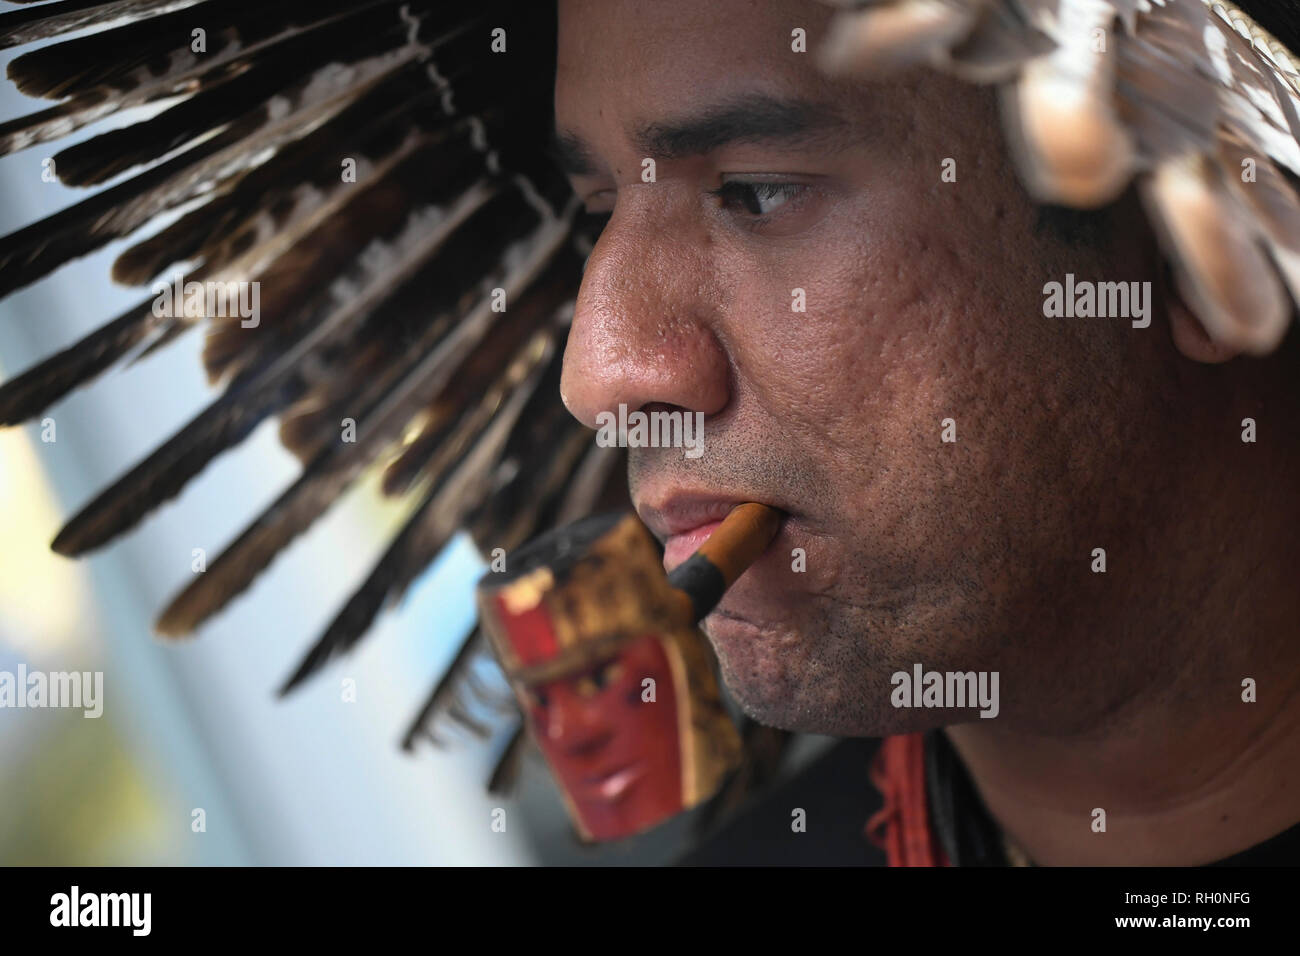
{"type": "Point", "coordinates": [611, 738]}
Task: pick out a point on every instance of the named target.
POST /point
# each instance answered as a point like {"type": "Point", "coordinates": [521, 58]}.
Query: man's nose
{"type": "Point", "coordinates": [644, 323]}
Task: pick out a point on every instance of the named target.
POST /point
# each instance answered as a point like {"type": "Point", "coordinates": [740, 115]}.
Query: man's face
{"type": "Point", "coordinates": [924, 302]}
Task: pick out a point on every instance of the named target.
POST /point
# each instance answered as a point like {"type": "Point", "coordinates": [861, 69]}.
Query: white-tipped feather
{"type": "Point", "coordinates": [1073, 147]}
{"type": "Point", "coordinates": [1222, 271]}
{"type": "Point", "coordinates": [897, 34]}
{"type": "Point", "coordinates": [1269, 205]}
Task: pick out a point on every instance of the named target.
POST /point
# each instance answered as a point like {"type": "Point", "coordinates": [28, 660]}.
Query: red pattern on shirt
{"type": "Point", "coordinates": [901, 827]}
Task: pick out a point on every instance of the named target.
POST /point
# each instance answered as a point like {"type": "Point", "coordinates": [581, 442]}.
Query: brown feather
{"type": "Point", "coordinates": [51, 20]}
{"type": "Point", "coordinates": [426, 532]}
{"type": "Point", "coordinates": [506, 772]}
{"type": "Point", "coordinates": [382, 416]}
{"type": "Point", "coordinates": [26, 395]}
{"type": "Point", "coordinates": [472, 648]}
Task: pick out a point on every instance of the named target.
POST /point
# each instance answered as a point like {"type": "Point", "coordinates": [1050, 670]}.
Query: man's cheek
{"type": "Point", "coordinates": [819, 368]}
{"type": "Point", "coordinates": [817, 565]}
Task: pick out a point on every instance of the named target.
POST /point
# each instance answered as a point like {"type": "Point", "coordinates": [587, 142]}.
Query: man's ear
{"type": "Point", "coordinates": [1190, 336]}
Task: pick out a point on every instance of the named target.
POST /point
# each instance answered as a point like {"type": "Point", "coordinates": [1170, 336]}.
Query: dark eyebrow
{"type": "Point", "coordinates": [752, 118]}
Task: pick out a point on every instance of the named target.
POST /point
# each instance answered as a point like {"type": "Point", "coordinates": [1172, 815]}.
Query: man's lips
{"type": "Point", "coordinates": [681, 513]}
{"type": "Point", "coordinates": [684, 522]}
{"type": "Point", "coordinates": [681, 546]}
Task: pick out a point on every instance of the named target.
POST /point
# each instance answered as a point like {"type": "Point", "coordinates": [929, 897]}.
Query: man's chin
{"type": "Point", "coordinates": [764, 654]}
{"type": "Point", "coordinates": [766, 672]}
{"type": "Point", "coordinates": [757, 676]}
{"type": "Point", "coordinates": [776, 677]}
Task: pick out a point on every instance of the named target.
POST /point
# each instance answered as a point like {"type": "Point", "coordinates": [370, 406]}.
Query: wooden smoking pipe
{"type": "Point", "coordinates": [614, 679]}
{"type": "Point", "coordinates": [736, 544]}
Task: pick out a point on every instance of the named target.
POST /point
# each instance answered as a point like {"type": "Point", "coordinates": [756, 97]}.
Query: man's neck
{"type": "Point", "coordinates": [1189, 767]}
{"type": "Point", "coordinates": [1180, 784]}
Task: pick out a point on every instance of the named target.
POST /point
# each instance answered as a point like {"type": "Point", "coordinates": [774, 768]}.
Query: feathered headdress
{"type": "Point", "coordinates": [372, 172]}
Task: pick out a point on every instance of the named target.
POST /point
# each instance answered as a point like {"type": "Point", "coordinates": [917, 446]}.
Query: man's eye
{"type": "Point", "coordinates": [757, 198]}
